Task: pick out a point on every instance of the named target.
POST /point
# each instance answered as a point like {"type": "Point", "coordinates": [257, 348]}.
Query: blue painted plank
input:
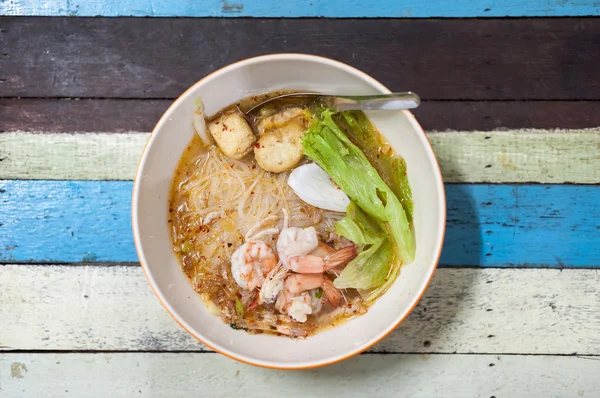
{"type": "Point", "coordinates": [488, 225]}
{"type": "Point", "coordinates": [302, 8]}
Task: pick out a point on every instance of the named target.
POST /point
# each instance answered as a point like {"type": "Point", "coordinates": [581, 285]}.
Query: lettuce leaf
{"type": "Point", "coordinates": [358, 227]}
{"type": "Point", "coordinates": [392, 169]}
{"type": "Point", "coordinates": [327, 145]}
{"type": "Point", "coordinates": [369, 269]}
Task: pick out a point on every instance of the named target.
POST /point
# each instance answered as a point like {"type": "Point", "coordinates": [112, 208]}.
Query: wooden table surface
{"type": "Point", "coordinates": [511, 105]}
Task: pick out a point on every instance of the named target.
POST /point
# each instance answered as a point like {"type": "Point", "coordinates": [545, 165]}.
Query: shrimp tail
{"type": "Point", "coordinates": [322, 250]}
{"type": "Point", "coordinates": [314, 264]}
{"type": "Point", "coordinates": [334, 296]}
{"type": "Point", "coordinates": [340, 257]}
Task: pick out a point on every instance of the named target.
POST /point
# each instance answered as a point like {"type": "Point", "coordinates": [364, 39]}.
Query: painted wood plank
{"type": "Point", "coordinates": [544, 156]}
{"type": "Point", "coordinates": [124, 115]}
{"type": "Point", "coordinates": [90, 115]}
{"type": "Point", "coordinates": [487, 225]}
{"type": "Point", "coordinates": [71, 156]}
{"type": "Point", "coordinates": [474, 59]}
{"type": "Point", "coordinates": [185, 375]}
{"type": "Point", "coordinates": [465, 311]}
{"type": "Point", "coordinates": [555, 156]}
{"type": "Point", "coordinates": [301, 8]}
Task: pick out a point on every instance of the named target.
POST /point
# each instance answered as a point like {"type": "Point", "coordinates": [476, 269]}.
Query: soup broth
{"type": "Point", "coordinates": [229, 213]}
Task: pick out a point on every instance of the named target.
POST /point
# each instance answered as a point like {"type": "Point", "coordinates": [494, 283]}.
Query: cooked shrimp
{"type": "Point", "coordinates": [322, 250]}
{"type": "Point", "coordinates": [295, 300]}
{"type": "Point", "coordinates": [320, 260]}
{"type": "Point", "coordinates": [298, 283]}
{"type": "Point", "coordinates": [297, 306]}
{"type": "Point", "coordinates": [273, 284]}
{"type": "Point", "coordinates": [251, 262]}
{"type": "Point", "coordinates": [296, 242]}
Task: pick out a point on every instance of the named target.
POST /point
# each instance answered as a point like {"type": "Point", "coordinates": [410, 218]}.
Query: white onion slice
{"type": "Point", "coordinates": [314, 186]}
{"type": "Point", "coordinates": [199, 123]}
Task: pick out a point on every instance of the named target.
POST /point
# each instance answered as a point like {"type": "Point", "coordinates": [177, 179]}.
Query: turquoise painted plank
{"type": "Point", "coordinates": [488, 225]}
{"type": "Point", "coordinates": [302, 8]}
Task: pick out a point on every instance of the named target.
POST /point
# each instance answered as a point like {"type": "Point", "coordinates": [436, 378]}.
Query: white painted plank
{"type": "Point", "coordinates": [545, 156]}
{"type": "Point", "coordinates": [212, 375]}
{"type": "Point", "coordinates": [520, 311]}
{"type": "Point", "coordinates": [81, 156]}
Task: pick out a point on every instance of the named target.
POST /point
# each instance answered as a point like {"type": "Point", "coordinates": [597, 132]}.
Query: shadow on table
{"type": "Point", "coordinates": [435, 325]}
{"type": "Point", "coordinates": [436, 321]}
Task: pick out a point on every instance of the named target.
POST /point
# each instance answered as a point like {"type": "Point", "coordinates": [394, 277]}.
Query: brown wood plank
{"type": "Point", "coordinates": [491, 115]}
{"type": "Point", "coordinates": [86, 115]}
{"type": "Point", "coordinates": [508, 59]}
{"type": "Point", "coordinates": [113, 115]}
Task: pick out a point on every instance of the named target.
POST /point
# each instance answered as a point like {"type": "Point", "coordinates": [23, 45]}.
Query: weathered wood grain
{"type": "Point", "coordinates": [71, 156]}
{"type": "Point", "coordinates": [185, 375]}
{"type": "Point", "coordinates": [533, 59]}
{"type": "Point", "coordinates": [465, 311]}
{"type": "Point", "coordinates": [492, 115]}
{"type": "Point", "coordinates": [88, 115]}
{"type": "Point", "coordinates": [122, 115]}
{"type": "Point", "coordinates": [487, 225]}
{"type": "Point", "coordinates": [514, 156]}
{"type": "Point", "coordinates": [555, 156]}
{"type": "Point", "coordinates": [301, 8]}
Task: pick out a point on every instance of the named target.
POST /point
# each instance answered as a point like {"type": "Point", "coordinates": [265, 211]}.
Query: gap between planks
{"type": "Point", "coordinates": [464, 311]}
{"type": "Point", "coordinates": [514, 156]}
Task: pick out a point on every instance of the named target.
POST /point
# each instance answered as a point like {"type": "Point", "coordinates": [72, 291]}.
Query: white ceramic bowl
{"type": "Point", "coordinates": [150, 202]}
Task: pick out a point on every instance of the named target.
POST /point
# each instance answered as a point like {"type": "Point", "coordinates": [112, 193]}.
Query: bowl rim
{"type": "Point", "coordinates": [136, 190]}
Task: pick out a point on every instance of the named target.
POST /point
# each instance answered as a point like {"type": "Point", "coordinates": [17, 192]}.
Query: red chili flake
{"type": "Point", "coordinates": [253, 167]}
{"type": "Point", "coordinates": [189, 276]}
{"type": "Point", "coordinates": [257, 145]}
{"type": "Point", "coordinates": [202, 258]}
{"type": "Point", "coordinates": [251, 192]}
{"type": "Point", "coordinates": [349, 305]}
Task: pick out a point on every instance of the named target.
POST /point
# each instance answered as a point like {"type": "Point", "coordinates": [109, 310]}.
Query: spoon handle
{"type": "Point", "coordinates": [387, 102]}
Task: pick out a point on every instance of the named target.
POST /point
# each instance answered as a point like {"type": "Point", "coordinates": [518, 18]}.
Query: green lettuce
{"type": "Point", "coordinates": [327, 145]}
{"type": "Point", "coordinates": [370, 268]}
{"type": "Point", "coordinates": [392, 169]}
{"type": "Point", "coordinates": [358, 227]}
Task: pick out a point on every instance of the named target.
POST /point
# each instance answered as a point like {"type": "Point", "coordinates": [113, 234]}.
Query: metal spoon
{"type": "Point", "coordinates": [339, 103]}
